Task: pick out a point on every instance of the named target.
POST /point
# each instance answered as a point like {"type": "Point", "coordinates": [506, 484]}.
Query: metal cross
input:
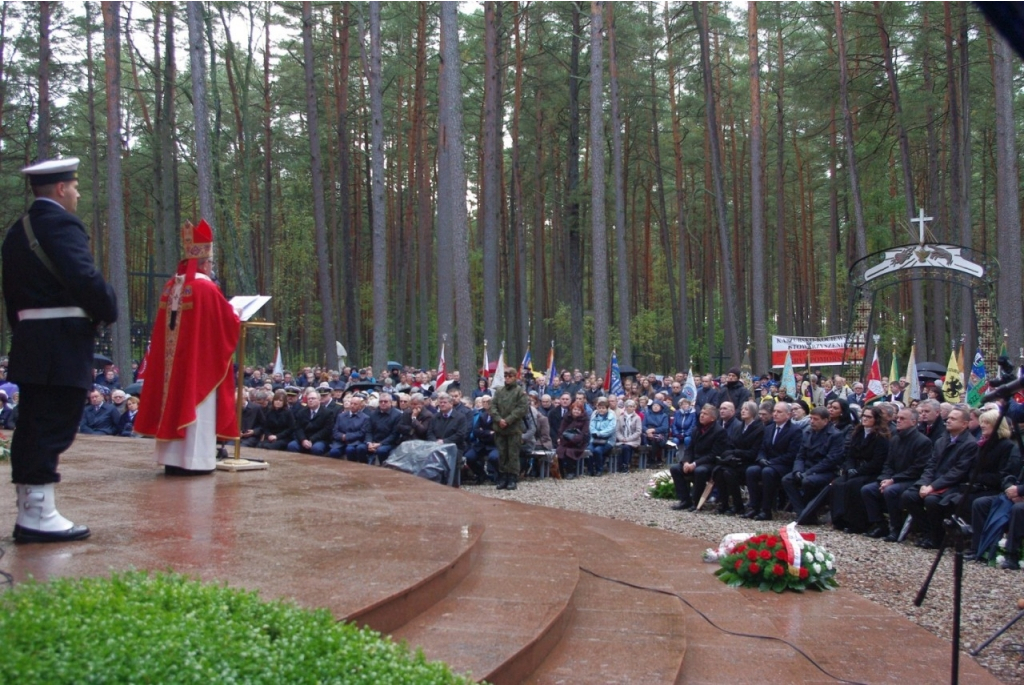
{"type": "Point", "coordinates": [919, 220]}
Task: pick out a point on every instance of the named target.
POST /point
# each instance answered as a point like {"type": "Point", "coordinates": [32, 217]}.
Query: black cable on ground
{"type": "Point", "coordinates": [714, 625]}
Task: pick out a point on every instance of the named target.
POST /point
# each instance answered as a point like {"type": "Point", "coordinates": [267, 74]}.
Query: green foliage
{"type": "Point", "coordinates": [661, 486]}
{"type": "Point", "coordinates": [139, 627]}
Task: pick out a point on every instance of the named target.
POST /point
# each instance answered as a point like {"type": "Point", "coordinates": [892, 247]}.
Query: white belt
{"type": "Point", "coordinates": [53, 313]}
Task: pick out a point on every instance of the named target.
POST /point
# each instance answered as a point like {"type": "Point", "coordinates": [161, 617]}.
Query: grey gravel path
{"type": "Point", "coordinates": [887, 573]}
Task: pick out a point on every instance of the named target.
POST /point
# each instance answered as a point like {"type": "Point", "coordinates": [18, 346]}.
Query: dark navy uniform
{"type": "Point", "coordinates": [51, 356]}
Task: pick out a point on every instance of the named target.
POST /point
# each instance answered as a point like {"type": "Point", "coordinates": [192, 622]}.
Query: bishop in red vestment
{"type": "Point", "coordinates": [188, 399]}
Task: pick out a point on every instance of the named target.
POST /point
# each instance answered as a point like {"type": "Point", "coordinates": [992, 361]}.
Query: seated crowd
{"type": "Point", "coordinates": [883, 464]}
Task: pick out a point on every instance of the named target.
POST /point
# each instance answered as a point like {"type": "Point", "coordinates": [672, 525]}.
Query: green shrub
{"type": "Point", "coordinates": [164, 628]}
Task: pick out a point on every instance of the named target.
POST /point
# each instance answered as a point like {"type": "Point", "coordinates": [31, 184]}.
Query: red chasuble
{"type": "Point", "coordinates": [189, 361]}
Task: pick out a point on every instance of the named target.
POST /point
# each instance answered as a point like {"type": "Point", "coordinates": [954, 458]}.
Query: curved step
{"type": "Point", "coordinates": [501, 621]}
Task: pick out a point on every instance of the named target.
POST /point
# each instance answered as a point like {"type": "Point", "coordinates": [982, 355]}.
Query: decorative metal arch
{"type": "Point", "coordinates": [955, 264]}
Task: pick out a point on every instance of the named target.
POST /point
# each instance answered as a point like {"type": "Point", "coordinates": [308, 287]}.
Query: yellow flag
{"type": "Point", "coordinates": [952, 387]}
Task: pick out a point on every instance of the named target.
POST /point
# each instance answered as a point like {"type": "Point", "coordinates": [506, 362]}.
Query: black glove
{"type": "Point", "coordinates": [851, 473]}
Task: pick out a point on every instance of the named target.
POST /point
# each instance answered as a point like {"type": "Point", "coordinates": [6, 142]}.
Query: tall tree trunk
{"type": "Point", "coordinates": [453, 183]}
{"type": "Point", "coordinates": [170, 206]}
{"type": "Point", "coordinates": [490, 200]}
{"type": "Point", "coordinates": [117, 266]}
{"type": "Point", "coordinates": [859, 230]}
{"type": "Point", "coordinates": [352, 321]}
{"type": "Point", "coordinates": [423, 190]}
{"type": "Point", "coordinates": [268, 172]}
{"type": "Point", "coordinates": [728, 280]}
{"type": "Point", "coordinates": [380, 256]}
{"type": "Point", "coordinates": [681, 337]}
{"type": "Point", "coordinates": [963, 167]}
{"type": "Point", "coordinates": [619, 182]}
{"type": "Point", "coordinates": [319, 212]}
{"type": "Point", "coordinates": [204, 154]}
{"type": "Point", "coordinates": [761, 360]}
{"type": "Point", "coordinates": [572, 181]}
{"type": "Point", "coordinates": [958, 181]}
{"type": "Point", "coordinates": [43, 134]}
{"type": "Point", "coordinates": [94, 143]}
{"type": "Point", "coordinates": [940, 314]}
{"type": "Point", "coordinates": [1011, 313]}
{"type": "Point", "coordinates": [785, 312]}
{"type": "Point", "coordinates": [517, 207]}
{"type": "Point", "coordinates": [598, 238]}
{"type": "Point", "coordinates": [916, 287]}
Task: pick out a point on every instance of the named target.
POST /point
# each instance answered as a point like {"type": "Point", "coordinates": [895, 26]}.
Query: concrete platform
{"type": "Point", "coordinates": [504, 591]}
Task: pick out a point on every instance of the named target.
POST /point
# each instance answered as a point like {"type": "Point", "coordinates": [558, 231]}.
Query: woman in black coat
{"type": "Point", "coordinates": [866, 451]}
{"type": "Point", "coordinates": [998, 459]}
{"type": "Point", "coordinates": [732, 464]}
{"type": "Point", "coordinates": [278, 423]}
{"type": "Point", "coordinates": [572, 446]}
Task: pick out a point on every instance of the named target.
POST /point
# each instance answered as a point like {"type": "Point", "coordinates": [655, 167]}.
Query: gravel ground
{"type": "Point", "coordinates": [887, 573]}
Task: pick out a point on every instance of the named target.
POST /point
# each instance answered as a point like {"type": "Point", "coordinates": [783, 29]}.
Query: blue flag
{"type": "Point", "coordinates": [616, 377]}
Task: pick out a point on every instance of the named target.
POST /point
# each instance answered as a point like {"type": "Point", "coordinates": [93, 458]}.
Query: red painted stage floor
{"type": "Point", "coordinates": [505, 591]}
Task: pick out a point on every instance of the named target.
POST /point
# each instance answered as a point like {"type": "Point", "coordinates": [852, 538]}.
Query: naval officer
{"type": "Point", "coordinates": [55, 298]}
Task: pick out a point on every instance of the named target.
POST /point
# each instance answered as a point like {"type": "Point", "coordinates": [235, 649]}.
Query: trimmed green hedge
{"type": "Point", "coordinates": [164, 628]}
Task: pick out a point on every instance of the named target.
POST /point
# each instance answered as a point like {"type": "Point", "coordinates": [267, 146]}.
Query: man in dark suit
{"type": "Point", "coordinates": [448, 425]}
{"type": "Point", "coordinates": [252, 417]}
{"type": "Point", "coordinates": [946, 474]}
{"type": "Point", "coordinates": [691, 476]}
{"type": "Point", "coordinates": [55, 297]}
{"type": "Point", "coordinates": [781, 443]}
{"type": "Point", "coordinates": [383, 435]}
{"type": "Point", "coordinates": [349, 437]}
{"type": "Point", "coordinates": [707, 393]}
{"type": "Point", "coordinates": [909, 452]}
{"type": "Point", "coordinates": [817, 463]}
{"type": "Point", "coordinates": [99, 417]}
{"type": "Point", "coordinates": [930, 419]}
{"type": "Point", "coordinates": [313, 426]}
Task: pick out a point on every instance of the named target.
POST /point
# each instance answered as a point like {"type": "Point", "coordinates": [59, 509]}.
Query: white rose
{"type": "Point", "coordinates": [1000, 558]}
{"type": "Point", "coordinates": [808, 558]}
{"type": "Point", "coordinates": [817, 568]}
{"type": "Point", "coordinates": [818, 556]}
{"type": "Point", "coordinates": [828, 564]}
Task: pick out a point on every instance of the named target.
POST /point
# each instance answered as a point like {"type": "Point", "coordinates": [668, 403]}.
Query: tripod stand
{"type": "Point", "coordinates": [959, 530]}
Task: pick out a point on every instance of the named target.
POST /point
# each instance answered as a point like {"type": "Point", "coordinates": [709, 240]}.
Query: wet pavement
{"type": "Point", "coordinates": [504, 591]}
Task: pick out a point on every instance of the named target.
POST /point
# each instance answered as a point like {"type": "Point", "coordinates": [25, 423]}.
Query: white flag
{"type": "Point", "coordinates": [498, 380]}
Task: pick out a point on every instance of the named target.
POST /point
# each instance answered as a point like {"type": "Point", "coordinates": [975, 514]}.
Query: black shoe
{"type": "Point", "coordinates": [510, 483]}
{"type": "Point", "coordinates": [892, 537]}
{"type": "Point", "coordinates": [178, 471]}
{"type": "Point", "coordinates": [679, 506]}
{"type": "Point", "coordinates": [927, 543]}
{"type": "Point", "coordinates": [692, 508]}
{"type": "Point", "coordinates": [878, 532]}
{"type": "Point", "coordinates": [970, 556]}
{"type": "Point", "coordinates": [1009, 565]}
{"type": "Point", "coordinates": [763, 517]}
{"type": "Point", "coordinates": [502, 482]}
{"type": "Point", "coordinates": [69, 535]}
{"type": "Point", "coordinates": [728, 511]}
{"type": "Point", "coordinates": [570, 476]}
{"type": "Point", "coordinates": [750, 514]}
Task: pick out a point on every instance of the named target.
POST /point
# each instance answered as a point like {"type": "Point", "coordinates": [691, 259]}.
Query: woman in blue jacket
{"type": "Point", "coordinates": [656, 428]}
{"type": "Point", "coordinates": [602, 436]}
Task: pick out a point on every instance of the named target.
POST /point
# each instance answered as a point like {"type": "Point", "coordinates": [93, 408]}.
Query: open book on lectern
{"type": "Point", "coordinates": [248, 305]}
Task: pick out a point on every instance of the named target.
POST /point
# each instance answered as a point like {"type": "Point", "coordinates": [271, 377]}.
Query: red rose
{"type": "Point", "coordinates": [778, 570]}
{"type": "Point", "coordinates": [757, 540]}
{"type": "Point", "coordinates": [772, 540]}
{"type": "Point", "coordinates": [754, 568]}
{"type": "Point", "coordinates": [765, 554]}
{"type": "Point", "coordinates": [739, 562]}
{"type": "Point", "coordinates": [804, 573]}
{"type": "Point", "coordinates": [740, 549]}
{"type": "Point", "coordinates": [752, 554]}
{"type": "Point", "coordinates": [781, 555]}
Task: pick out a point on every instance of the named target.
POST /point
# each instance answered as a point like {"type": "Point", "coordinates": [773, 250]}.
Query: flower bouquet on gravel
{"type": "Point", "coordinates": [660, 486]}
{"type": "Point", "coordinates": [785, 560]}
{"type": "Point", "coordinates": [5, 446]}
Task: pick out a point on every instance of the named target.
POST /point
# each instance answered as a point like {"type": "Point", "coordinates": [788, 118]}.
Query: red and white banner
{"type": "Point", "coordinates": [830, 351]}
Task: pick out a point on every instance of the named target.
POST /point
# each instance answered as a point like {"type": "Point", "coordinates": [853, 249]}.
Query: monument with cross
{"type": "Point", "coordinates": [931, 261]}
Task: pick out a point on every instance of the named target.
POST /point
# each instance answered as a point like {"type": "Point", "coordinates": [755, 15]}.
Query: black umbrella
{"type": "Point", "coordinates": [930, 375]}
{"type": "Point", "coordinates": [362, 386]}
{"type": "Point", "coordinates": [394, 365]}
{"type": "Point", "coordinates": [134, 389]}
{"type": "Point", "coordinates": [628, 371]}
{"type": "Point", "coordinates": [101, 360]}
{"type": "Point", "coordinates": [936, 367]}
